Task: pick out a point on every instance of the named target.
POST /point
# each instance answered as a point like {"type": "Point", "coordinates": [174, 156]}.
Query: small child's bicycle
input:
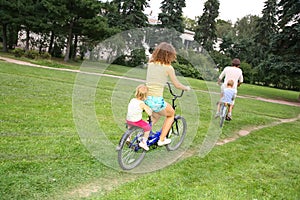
{"type": "Point", "coordinates": [223, 113]}
{"type": "Point", "coordinates": [130, 154]}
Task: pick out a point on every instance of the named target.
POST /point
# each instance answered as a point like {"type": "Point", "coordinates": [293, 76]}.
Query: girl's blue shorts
{"type": "Point", "coordinates": [157, 104]}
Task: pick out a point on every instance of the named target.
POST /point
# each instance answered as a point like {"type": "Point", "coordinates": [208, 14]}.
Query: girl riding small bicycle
{"type": "Point", "coordinates": [136, 107]}
{"type": "Point", "coordinates": [228, 96]}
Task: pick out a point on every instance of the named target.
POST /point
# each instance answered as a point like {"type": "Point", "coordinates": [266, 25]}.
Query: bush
{"type": "Point", "coordinates": [137, 58]}
{"type": "Point", "coordinates": [18, 52]}
{"type": "Point", "coordinates": [121, 60]}
{"type": "Point", "coordinates": [186, 70]}
{"type": "Point", "coordinates": [31, 54]}
{"type": "Point", "coordinates": [45, 55]}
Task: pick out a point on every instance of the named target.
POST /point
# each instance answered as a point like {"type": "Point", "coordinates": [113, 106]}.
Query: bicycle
{"type": "Point", "coordinates": [223, 108]}
{"type": "Point", "coordinates": [130, 154]}
{"type": "Point", "coordinates": [223, 113]}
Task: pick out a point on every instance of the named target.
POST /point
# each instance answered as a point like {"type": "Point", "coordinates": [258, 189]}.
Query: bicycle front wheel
{"type": "Point", "coordinates": [130, 155]}
{"type": "Point", "coordinates": [177, 133]}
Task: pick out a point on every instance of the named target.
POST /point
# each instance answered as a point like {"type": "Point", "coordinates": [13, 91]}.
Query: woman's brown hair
{"type": "Point", "coordinates": [164, 53]}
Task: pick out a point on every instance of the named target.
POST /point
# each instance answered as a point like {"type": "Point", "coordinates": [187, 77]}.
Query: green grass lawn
{"type": "Point", "coordinates": [43, 155]}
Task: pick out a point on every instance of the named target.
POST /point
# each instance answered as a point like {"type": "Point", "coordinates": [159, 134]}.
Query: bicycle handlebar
{"type": "Point", "coordinates": [171, 91]}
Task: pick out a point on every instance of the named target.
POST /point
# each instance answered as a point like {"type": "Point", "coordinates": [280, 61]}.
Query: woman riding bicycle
{"type": "Point", "coordinates": [159, 69]}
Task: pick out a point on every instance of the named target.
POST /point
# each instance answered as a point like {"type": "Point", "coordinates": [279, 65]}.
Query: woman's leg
{"type": "Point", "coordinates": [169, 113]}
{"type": "Point", "coordinates": [155, 117]}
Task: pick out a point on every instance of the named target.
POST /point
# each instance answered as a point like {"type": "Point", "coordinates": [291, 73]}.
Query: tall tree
{"type": "Point", "coordinates": [224, 28]}
{"type": "Point", "coordinates": [206, 29]}
{"type": "Point", "coordinates": [189, 24]}
{"type": "Point", "coordinates": [8, 11]}
{"type": "Point", "coordinates": [30, 15]}
{"type": "Point", "coordinates": [288, 12]}
{"type": "Point", "coordinates": [54, 19]}
{"type": "Point", "coordinates": [267, 25]}
{"type": "Point", "coordinates": [246, 26]}
{"type": "Point", "coordinates": [266, 28]}
{"type": "Point", "coordinates": [128, 14]}
{"type": "Point", "coordinates": [226, 32]}
{"type": "Point", "coordinates": [244, 46]}
{"type": "Point", "coordinates": [286, 45]}
{"type": "Point", "coordinates": [78, 13]}
{"type": "Point", "coordinates": [171, 15]}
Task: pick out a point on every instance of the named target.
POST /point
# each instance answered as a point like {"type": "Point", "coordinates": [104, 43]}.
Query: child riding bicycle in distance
{"type": "Point", "coordinates": [227, 97]}
{"type": "Point", "coordinates": [136, 107]}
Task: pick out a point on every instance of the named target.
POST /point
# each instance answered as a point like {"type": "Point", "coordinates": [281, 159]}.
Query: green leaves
{"type": "Point", "coordinates": [206, 30]}
{"type": "Point", "coordinates": [171, 14]}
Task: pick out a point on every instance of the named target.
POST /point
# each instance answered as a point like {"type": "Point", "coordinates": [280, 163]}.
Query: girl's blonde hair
{"type": "Point", "coordinates": [141, 92]}
{"type": "Point", "coordinates": [230, 83]}
{"type": "Point", "coordinates": [164, 53]}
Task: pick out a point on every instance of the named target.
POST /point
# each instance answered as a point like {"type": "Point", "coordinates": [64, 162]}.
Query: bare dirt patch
{"type": "Point", "coordinates": [245, 132]}
{"type": "Point", "coordinates": [278, 101]}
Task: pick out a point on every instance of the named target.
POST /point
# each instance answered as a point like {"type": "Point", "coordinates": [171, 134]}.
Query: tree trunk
{"type": "Point", "coordinates": [4, 31]}
{"type": "Point", "coordinates": [27, 40]}
{"type": "Point", "coordinates": [50, 49]}
{"type": "Point", "coordinates": [69, 43]}
{"type": "Point", "coordinates": [75, 47]}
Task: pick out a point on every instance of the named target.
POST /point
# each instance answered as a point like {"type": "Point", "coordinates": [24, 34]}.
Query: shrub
{"type": "Point", "coordinates": [186, 70]}
{"type": "Point", "coordinates": [121, 60]}
{"type": "Point", "coordinates": [45, 55]}
{"type": "Point", "coordinates": [31, 54]}
{"type": "Point", "coordinates": [18, 52]}
{"type": "Point", "coordinates": [137, 58]}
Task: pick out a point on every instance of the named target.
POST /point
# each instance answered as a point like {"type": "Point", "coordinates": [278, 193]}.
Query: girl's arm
{"type": "Point", "coordinates": [146, 108]}
{"type": "Point", "coordinates": [175, 81]}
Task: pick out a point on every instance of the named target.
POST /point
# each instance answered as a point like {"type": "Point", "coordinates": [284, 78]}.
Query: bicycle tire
{"type": "Point", "coordinates": [177, 133]}
{"type": "Point", "coordinates": [223, 115]}
{"type": "Point", "coordinates": [130, 155]}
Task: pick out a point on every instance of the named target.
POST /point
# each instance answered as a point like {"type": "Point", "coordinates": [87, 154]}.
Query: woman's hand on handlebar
{"type": "Point", "coordinates": [188, 88]}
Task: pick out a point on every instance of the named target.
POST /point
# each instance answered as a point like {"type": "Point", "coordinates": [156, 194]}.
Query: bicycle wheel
{"type": "Point", "coordinates": [177, 133]}
{"type": "Point", "coordinates": [130, 155]}
{"type": "Point", "coordinates": [222, 114]}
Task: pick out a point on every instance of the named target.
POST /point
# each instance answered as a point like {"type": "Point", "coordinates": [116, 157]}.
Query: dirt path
{"type": "Point", "coordinates": [247, 131]}
{"type": "Point", "coordinates": [289, 103]}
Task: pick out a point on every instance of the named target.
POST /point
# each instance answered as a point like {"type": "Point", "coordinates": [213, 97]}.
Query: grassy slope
{"type": "Point", "coordinates": [41, 152]}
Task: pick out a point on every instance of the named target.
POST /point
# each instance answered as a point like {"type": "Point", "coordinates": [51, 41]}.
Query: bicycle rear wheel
{"type": "Point", "coordinates": [130, 155]}
{"type": "Point", "coordinates": [177, 133]}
